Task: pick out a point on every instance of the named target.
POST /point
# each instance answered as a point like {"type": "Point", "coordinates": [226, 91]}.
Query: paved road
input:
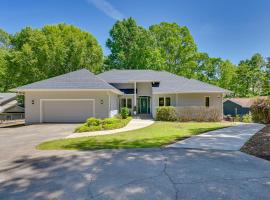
{"type": "Point", "coordinates": [168, 173]}
{"type": "Point", "coordinates": [231, 138]}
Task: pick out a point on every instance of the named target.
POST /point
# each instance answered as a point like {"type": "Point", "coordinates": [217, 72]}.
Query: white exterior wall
{"type": "Point", "coordinates": [32, 111]}
{"type": "Point", "coordinates": [114, 105]}
{"type": "Point", "coordinates": [190, 100]}
{"type": "Point", "coordinates": [155, 101]}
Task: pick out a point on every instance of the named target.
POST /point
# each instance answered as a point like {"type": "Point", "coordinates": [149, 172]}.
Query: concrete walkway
{"type": "Point", "coordinates": [232, 138]}
{"type": "Point", "coordinates": [132, 125]}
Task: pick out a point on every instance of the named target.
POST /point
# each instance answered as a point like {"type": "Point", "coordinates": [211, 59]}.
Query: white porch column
{"type": "Point", "coordinates": [135, 94]}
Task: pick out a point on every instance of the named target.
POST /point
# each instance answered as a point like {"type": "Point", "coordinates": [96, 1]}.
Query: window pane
{"type": "Point", "coordinates": [168, 101]}
{"type": "Point", "coordinates": [161, 101]}
{"type": "Point", "coordinates": [129, 103]}
{"type": "Point", "coordinates": [123, 103]}
{"type": "Point", "coordinates": [207, 101]}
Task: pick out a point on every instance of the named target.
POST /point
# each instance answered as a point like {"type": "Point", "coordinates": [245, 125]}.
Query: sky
{"type": "Point", "coordinates": [229, 29]}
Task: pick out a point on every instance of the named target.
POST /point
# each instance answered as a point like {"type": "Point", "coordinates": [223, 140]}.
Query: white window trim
{"type": "Point", "coordinates": [164, 99]}
{"type": "Point", "coordinates": [42, 100]}
{"type": "Point", "coordinates": [126, 98]}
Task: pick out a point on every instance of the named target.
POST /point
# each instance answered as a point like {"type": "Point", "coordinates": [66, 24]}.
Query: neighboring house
{"type": "Point", "coordinates": [238, 106]}
{"type": "Point", "coordinates": [77, 95]}
{"type": "Point", "coordinates": [9, 108]}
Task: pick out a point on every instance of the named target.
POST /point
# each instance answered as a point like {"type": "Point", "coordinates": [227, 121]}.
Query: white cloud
{"type": "Point", "coordinates": [107, 9]}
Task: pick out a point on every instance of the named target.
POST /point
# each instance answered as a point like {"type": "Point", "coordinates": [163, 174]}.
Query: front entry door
{"type": "Point", "coordinates": [144, 105]}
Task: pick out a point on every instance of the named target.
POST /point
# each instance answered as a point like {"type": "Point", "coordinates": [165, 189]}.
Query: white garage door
{"type": "Point", "coordinates": [68, 110]}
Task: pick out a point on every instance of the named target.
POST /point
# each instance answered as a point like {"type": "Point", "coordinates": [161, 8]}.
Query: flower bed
{"type": "Point", "coordinates": [94, 124]}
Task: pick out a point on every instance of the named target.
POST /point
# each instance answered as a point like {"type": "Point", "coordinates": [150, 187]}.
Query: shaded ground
{"type": "Point", "coordinates": [135, 174]}
{"type": "Point", "coordinates": [259, 144]}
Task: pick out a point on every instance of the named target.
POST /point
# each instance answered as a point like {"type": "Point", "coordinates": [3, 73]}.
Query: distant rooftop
{"type": "Point", "coordinates": [6, 97]}
{"type": "Point", "coordinates": [245, 102]}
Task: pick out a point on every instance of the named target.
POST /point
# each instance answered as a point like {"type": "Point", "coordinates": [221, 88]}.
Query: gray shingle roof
{"type": "Point", "coordinates": [6, 97]}
{"type": "Point", "coordinates": [169, 83]}
{"type": "Point", "coordinates": [81, 79]}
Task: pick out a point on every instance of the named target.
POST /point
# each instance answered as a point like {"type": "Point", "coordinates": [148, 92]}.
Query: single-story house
{"type": "Point", "coordinates": [9, 108]}
{"type": "Point", "coordinates": [238, 106]}
{"type": "Point", "coordinates": [74, 96]}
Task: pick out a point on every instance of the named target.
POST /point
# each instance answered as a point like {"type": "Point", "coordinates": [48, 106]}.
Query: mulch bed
{"type": "Point", "coordinates": [259, 144]}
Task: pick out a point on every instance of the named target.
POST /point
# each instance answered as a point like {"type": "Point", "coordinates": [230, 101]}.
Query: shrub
{"type": "Point", "coordinates": [124, 112]}
{"type": "Point", "coordinates": [237, 118]}
{"type": "Point", "coordinates": [94, 124]}
{"type": "Point", "coordinates": [199, 113]}
{"type": "Point", "coordinates": [166, 113]}
{"type": "Point", "coordinates": [82, 128]}
{"type": "Point", "coordinates": [110, 121]}
{"type": "Point", "coordinates": [247, 118]}
{"type": "Point", "coordinates": [260, 110]}
{"type": "Point", "coordinates": [93, 121]}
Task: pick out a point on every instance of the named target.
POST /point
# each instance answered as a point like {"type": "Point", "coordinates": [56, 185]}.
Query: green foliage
{"type": "Point", "coordinates": [36, 54]}
{"type": "Point", "coordinates": [247, 118]}
{"type": "Point", "coordinates": [86, 128]}
{"type": "Point", "coordinates": [237, 118]}
{"type": "Point", "coordinates": [132, 47]}
{"type": "Point", "coordinates": [177, 48]}
{"type": "Point", "coordinates": [157, 135]}
{"type": "Point", "coordinates": [93, 124]}
{"type": "Point", "coordinates": [166, 113]}
{"type": "Point", "coordinates": [92, 121]}
{"type": "Point", "coordinates": [251, 77]}
{"type": "Point", "coordinates": [124, 112]}
{"type": "Point", "coordinates": [260, 110]}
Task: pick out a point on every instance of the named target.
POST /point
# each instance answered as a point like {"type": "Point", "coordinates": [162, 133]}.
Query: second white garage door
{"type": "Point", "coordinates": [66, 110]}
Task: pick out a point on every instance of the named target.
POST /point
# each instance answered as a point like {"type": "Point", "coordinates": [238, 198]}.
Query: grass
{"type": "Point", "coordinates": [156, 135]}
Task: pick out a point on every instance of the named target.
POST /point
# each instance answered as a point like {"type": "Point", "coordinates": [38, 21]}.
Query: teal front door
{"type": "Point", "coordinates": [144, 105]}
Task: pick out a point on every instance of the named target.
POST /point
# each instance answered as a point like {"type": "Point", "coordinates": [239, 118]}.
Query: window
{"type": "Point", "coordinates": [207, 101]}
{"type": "Point", "coordinates": [123, 103]}
{"type": "Point", "coordinates": [161, 101]}
{"type": "Point", "coordinates": [129, 103]}
{"type": "Point", "coordinates": [168, 101]}
{"type": "Point", "coordinates": [126, 102]}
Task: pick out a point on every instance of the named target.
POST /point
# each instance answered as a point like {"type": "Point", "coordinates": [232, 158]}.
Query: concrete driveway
{"type": "Point", "coordinates": [169, 173]}
{"type": "Point", "coordinates": [21, 140]}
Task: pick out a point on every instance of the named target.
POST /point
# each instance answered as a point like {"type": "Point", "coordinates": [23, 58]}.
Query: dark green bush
{"type": "Point", "coordinates": [124, 112]}
{"type": "Point", "coordinates": [260, 110]}
{"type": "Point", "coordinates": [166, 113]}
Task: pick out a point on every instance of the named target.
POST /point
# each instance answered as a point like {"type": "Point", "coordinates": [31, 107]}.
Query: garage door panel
{"type": "Point", "coordinates": [67, 110]}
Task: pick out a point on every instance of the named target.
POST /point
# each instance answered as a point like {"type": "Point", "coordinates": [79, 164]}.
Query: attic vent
{"type": "Point", "coordinates": [155, 84]}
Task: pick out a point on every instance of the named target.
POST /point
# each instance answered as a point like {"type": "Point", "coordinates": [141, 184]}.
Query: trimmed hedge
{"type": "Point", "coordinates": [93, 124]}
{"type": "Point", "coordinates": [199, 114]}
{"type": "Point", "coordinates": [260, 110]}
{"type": "Point", "coordinates": [166, 113]}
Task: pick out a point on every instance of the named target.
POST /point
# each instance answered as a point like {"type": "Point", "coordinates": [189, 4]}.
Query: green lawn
{"type": "Point", "coordinates": [156, 135]}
